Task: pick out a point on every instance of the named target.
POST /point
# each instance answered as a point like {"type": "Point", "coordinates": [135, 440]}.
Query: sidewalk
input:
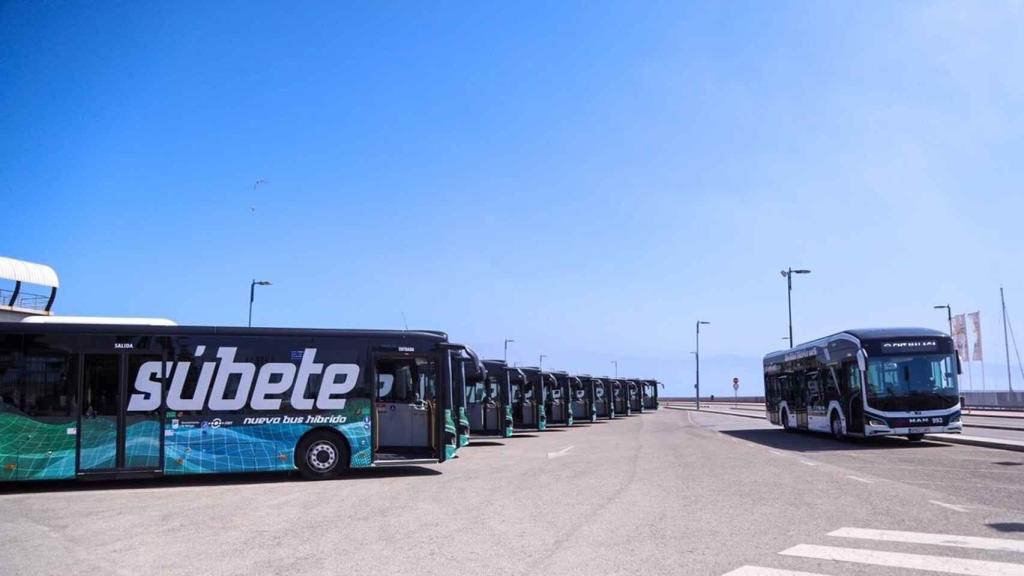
{"type": "Point", "coordinates": [997, 443]}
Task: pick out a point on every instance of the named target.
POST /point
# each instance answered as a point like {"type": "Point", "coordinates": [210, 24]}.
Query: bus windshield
{"type": "Point", "coordinates": [912, 383]}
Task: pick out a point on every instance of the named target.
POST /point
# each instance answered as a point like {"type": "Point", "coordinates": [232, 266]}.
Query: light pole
{"type": "Point", "coordinates": [252, 295]}
{"type": "Point", "coordinates": [507, 342]}
{"type": "Point", "coordinates": [540, 362]}
{"type": "Point", "coordinates": [697, 356]}
{"type": "Point", "coordinates": [788, 275]}
{"type": "Point", "coordinates": [949, 316]}
{"type": "Point", "coordinates": [616, 363]}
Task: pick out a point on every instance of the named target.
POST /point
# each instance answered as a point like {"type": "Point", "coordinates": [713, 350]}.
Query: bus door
{"type": "Point", "coordinates": [110, 437]}
{"type": "Point", "coordinates": [851, 397]}
{"type": "Point", "coordinates": [406, 405]}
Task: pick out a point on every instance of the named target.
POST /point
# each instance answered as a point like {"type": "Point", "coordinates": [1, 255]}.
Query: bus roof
{"type": "Point", "coordinates": [127, 328]}
{"type": "Point", "coordinates": [860, 335]}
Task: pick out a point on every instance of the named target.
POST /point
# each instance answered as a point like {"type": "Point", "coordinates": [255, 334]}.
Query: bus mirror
{"type": "Point", "coordinates": [959, 367]}
{"type": "Point", "coordinates": [862, 360]}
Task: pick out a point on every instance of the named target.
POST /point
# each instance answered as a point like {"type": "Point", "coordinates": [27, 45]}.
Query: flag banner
{"type": "Point", "coordinates": [960, 337]}
{"type": "Point", "coordinates": [975, 318]}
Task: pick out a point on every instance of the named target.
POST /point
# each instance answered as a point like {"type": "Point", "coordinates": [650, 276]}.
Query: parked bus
{"type": "Point", "coordinates": [620, 403]}
{"type": "Point", "coordinates": [532, 399]}
{"type": "Point", "coordinates": [558, 407]}
{"type": "Point", "coordinates": [582, 404]}
{"type": "Point", "coordinates": [873, 382]}
{"type": "Point", "coordinates": [603, 398]}
{"type": "Point", "coordinates": [102, 400]}
{"type": "Point", "coordinates": [650, 391]}
{"type": "Point", "coordinates": [633, 394]}
{"type": "Point", "coordinates": [490, 408]}
{"type": "Point", "coordinates": [465, 365]}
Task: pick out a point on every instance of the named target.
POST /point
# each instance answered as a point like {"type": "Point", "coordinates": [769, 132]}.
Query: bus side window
{"type": "Point", "coordinates": [813, 388]}
{"type": "Point", "coordinates": [853, 379]}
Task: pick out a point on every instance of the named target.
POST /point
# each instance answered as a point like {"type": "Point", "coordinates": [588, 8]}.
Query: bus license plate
{"type": "Point", "coordinates": [918, 430]}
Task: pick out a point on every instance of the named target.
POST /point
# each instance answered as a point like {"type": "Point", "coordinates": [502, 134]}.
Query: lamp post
{"type": "Point", "coordinates": [697, 356]}
{"type": "Point", "coordinates": [616, 363]}
{"type": "Point", "coordinates": [252, 295]}
{"type": "Point", "coordinates": [949, 316]}
{"type": "Point", "coordinates": [507, 342]}
{"type": "Point", "coordinates": [788, 275]}
{"type": "Point", "coordinates": [540, 362]}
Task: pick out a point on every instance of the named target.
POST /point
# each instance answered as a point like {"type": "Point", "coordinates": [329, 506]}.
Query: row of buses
{"type": "Point", "coordinates": [102, 400]}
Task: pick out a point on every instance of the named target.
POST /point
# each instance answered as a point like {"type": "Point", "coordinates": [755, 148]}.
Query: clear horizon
{"type": "Point", "coordinates": [587, 179]}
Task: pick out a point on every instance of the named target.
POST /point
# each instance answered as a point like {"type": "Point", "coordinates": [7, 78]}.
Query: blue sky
{"type": "Point", "coordinates": [586, 178]}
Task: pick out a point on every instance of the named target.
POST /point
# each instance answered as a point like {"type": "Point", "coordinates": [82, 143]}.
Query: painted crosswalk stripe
{"type": "Point", "coordinates": [980, 543]}
{"type": "Point", "coordinates": [944, 564]}
{"type": "Point", "coordinates": [761, 571]}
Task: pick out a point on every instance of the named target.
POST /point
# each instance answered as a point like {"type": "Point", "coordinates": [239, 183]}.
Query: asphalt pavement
{"type": "Point", "coordinates": [671, 492]}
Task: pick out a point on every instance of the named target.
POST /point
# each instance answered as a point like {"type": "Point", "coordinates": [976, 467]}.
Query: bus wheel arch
{"type": "Point", "coordinates": [322, 453]}
{"type": "Point", "coordinates": [836, 425]}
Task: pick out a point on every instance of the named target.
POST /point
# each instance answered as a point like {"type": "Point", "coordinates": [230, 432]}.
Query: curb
{"type": "Point", "coordinates": [948, 438]}
{"type": "Point", "coordinates": [975, 441]}
{"type": "Point", "coordinates": [717, 412]}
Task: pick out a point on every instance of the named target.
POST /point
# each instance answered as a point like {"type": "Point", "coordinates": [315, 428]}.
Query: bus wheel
{"type": "Point", "coordinates": [837, 427]}
{"type": "Point", "coordinates": [915, 437]}
{"type": "Point", "coordinates": [785, 420]}
{"type": "Point", "coordinates": [321, 454]}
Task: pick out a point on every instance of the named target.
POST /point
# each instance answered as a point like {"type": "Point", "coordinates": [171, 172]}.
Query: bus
{"type": "Point", "coordinates": [620, 403]}
{"type": "Point", "coordinates": [582, 404]}
{"type": "Point", "coordinates": [557, 405]}
{"type": "Point", "coordinates": [122, 400]}
{"type": "Point", "coordinates": [602, 398]}
{"type": "Point", "coordinates": [871, 382]}
{"type": "Point", "coordinates": [635, 399]}
{"type": "Point", "coordinates": [650, 392]}
{"type": "Point", "coordinates": [489, 405]}
{"type": "Point", "coordinates": [465, 365]}
{"type": "Point", "coordinates": [533, 392]}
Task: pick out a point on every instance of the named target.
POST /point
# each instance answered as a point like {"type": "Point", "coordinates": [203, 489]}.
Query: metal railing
{"type": "Point", "coordinates": [24, 300]}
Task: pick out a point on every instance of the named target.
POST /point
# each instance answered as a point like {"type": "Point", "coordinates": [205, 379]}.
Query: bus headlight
{"type": "Point", "coordinates": [873, 422]}
{"type": "Point", "coordinates": [954, 418]}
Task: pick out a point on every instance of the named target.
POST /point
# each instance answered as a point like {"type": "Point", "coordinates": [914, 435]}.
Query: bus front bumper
{"type": "Point", "coordinates": [878, 429]}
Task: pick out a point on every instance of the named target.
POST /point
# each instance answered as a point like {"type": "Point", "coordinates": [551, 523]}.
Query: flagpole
{"type": "Point", "coordinates": [1006, 341]}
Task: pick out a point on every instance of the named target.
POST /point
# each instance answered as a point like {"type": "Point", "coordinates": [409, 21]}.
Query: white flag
{"type": "Point", "coordinates": [975, 318]}
{"type": "Point", "coordinates": [960, 337]}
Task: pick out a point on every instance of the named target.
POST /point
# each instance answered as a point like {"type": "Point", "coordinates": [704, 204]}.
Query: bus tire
{"type": "Point", "coordinates": [915, 437]}
{"type": "Point", "coordinates": [785, 420]}
{"type": "Point", "coordinates": [321, 454]}
{"type": "Point", "coordinates": [836, 425]}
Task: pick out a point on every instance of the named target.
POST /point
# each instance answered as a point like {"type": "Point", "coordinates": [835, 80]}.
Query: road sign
{"type": "Point", "coordinates": [735, 383]}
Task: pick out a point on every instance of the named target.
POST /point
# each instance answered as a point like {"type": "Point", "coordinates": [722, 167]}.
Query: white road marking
{"type": "Point", "coordinates": [560, 453]}
{"type": "Point", "coordinates": [859, 479]}
{"type": "Point", "coordinates": [980, 543]}
{"type": "Point", "coordinates": [944, 564]}
{"type": "Point", "coordinates": [950, 506]}
{"type": "Point", "coordinates": [808, 462]}
{"type": "Point", "coordinates": [776, 452]}
{"type": "Point", "coordinates": [761, 571]}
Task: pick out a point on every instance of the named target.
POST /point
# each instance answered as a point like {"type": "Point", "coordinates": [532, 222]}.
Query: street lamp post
{"type": "Point", "coordinates": [252, 295]}
{"type": "Point", "coordinates": [788, 275]}
{"type": "Point", "coordinates": [507, 342]}
{"type": "Point", "coordinates": [949, 316]}
{"type": "Point", "coordinates": [540, 362]}
{"type": "Point", "coordinates": [696, 355]}
{"type": "Point", "coordinates": [616, 363]}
